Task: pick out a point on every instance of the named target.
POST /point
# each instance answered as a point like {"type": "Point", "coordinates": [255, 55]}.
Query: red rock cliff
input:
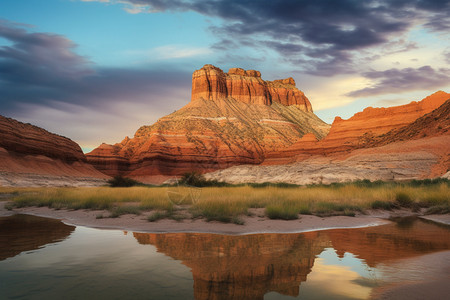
{"type": "Point", "coordinates": [347, 135]}
{"type": "Point", "coordinates": [211, 83]}
{"type": "Point", "coordinates": [31, 156]}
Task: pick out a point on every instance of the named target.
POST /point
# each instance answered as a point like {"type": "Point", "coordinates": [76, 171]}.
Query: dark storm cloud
{"type": "Point", "coordinates": [292, 28]}
{"type": "Point", "coordinates": [43, 69]}
{"type": "Point", "coordinates": [399, 80]}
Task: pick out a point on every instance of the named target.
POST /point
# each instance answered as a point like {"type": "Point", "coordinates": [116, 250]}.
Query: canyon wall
{"type": "Point", "coordinates": [417, 150]}
{"type": "Point", "coordinates": [348, 135]}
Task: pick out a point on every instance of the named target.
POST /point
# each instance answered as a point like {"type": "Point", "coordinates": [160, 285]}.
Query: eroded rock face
{"type": "Point", "coordinates": [231, 120]}
{"type": "Point", "coordinates": [406, 160]}
{"type": "Point", "coordinates": [211, 83]}
{"type": "Point", "coordinates": [31, 140]}
{"type": "Point", "coordinates": [30, 155]}
{"type": "Point", "coordinates": [347, 135]}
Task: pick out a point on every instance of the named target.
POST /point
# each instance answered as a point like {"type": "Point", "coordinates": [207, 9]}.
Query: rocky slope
{"type": "Point", "coordinates": [417, 150]}
{"type": "Point", "coordinates": [347, 135]}
{"type": "Point", "coordinates": [232, 119]}
{"type": "Point", "coordinates": [30, 155]}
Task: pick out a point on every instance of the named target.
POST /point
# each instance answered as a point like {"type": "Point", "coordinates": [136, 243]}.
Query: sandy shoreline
{"type": "Point", "coordinates": [257, 223]}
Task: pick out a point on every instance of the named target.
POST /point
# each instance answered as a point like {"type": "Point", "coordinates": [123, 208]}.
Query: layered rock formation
{"type": "Point", "coordinates": [211, 83]}
{"type": "Point", "coordinates": [30, 155]}
{"type": "Point", "coordinates": [417, 150]}
{"type": "Point", "coordinates": [347, 135]}
{"type": "Point", "coordinates": [233, 118]}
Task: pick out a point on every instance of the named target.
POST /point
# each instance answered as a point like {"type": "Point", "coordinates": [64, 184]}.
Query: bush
{"type": "Point", "coordinates": [403, 199]}
{"type": "Point", "coordinates": [378, 204]}
{"type": "Point", "coordinates": [195, 178]}
{"type": "Point", "coordinates": [119, 181]}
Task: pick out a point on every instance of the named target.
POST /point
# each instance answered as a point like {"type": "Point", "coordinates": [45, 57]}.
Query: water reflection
{"type": "Point", "coordinates": [248, 267]}
{"type": "Point", "coordinates": [242, 267]}
{"type": "Point", "coordinates": [20, 233]}
{"type": "Point", "coordinates": [110, 264]}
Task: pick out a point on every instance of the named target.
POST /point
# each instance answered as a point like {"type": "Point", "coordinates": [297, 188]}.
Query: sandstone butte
{"type": "Point", "coordinates": [364, 128]}
{"type": "Point", "coordinates": [233, 118]}
{"type": "Point", "coordinates": [248, 267]}
{"type": "Point", "coordinates": [30, 156]}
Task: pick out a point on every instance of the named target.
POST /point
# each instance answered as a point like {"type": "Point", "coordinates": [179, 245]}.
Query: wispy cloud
{"type": "Point", "coordinates": [42, 78]}
{"type": "Point", "coordinates": [322, 37]}
{"type": "Point", "coordinates": [169, 52]}
{"type": "Point", "coordinates": [402, 80]}
{"type": "Point", "coordinates": [174, 51]}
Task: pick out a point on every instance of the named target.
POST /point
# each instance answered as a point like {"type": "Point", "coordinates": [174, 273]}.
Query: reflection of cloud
{"type": "Point", "coordinates": [338, 280]}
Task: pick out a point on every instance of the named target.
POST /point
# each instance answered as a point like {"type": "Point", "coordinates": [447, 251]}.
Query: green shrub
{"type": "Point", "coordinates": [403, 199]}
{"type": "Point", "coordinates": [120, 181]}
{"type": "Point", "coordinates": [281, 212]}
{"type": "Point", "coordinates": [378, 204]}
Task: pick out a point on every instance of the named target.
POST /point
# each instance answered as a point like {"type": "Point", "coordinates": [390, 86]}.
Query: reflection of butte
{"type": "Point", "coordinates": [20, 233]}
{"type": "Point", "coordinates": [241, 267]}
{"type": "Point", "coordinates": [249, 266]}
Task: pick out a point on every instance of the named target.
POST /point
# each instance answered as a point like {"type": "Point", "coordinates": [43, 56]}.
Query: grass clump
{"type": "Point", "coordinates": [158, 216]}
{"type": "Point", "coordinates": [283, 212]}
{"type": "Point", "coordinates": [380, 204]}
{"type": "Point", "coordinates": [124, 210]}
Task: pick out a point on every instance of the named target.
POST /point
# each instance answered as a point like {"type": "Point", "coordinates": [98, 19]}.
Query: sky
{"type": "Point", "coordinates": [97, 70]}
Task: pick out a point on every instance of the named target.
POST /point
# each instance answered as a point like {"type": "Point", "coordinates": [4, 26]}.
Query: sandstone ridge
{"type": "Point", "coordinates": [376, 145]}
{"type": "Point", "coordinates": [32, 156]}
{"type": "Point", "coordinates": [211, 83]}
{"type": "Point", "coordinates": [351, 134]}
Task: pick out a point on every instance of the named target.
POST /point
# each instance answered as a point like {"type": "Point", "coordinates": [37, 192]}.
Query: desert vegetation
{"type": "Point", "coordinates": [230, 203]}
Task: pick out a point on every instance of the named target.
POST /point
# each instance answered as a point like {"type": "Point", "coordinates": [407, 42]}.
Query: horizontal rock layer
{"type": "Point", "coordinates": [32, 156]}
{"type": "Point", "coordinates": [347, 135]}
{"type": "Point", "coordinates": [416, 159]}
{"type": "Point", "coordinates": [211, 83]}
{"type": "Point", "coordinates": [32, 140]}
{"type": "Point", "coordinates": [205, 136]}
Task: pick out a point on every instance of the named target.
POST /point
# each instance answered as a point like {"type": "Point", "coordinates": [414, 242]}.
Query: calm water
{"type": "Point", "coordinates": [43, 258]}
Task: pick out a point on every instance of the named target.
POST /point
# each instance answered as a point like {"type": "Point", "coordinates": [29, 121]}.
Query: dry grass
{"type": "Point", "coordinates": [226, 204]}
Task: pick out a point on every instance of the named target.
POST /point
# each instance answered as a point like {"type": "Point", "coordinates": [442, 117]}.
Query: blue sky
{"type": "Point", "coordinates": [96, 70]}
